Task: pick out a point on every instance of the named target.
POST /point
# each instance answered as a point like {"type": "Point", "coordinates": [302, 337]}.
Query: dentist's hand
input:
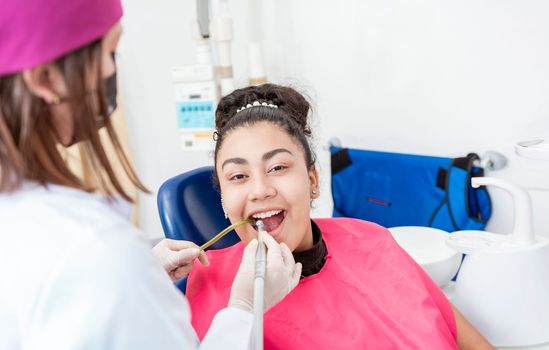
{"type": "Point", "coordinates": [281, 275]}
{"type": "Point", "coordinates": [177, 257]}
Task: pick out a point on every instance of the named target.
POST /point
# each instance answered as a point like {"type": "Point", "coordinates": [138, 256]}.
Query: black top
{"type": "Point", "coordinates": [314, 258]}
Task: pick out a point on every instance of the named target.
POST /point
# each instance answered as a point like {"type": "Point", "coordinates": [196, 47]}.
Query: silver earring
{"type": "Point", "coordinates": [223, 207]}
{"type": "Point", "coordinates": [314, 191]}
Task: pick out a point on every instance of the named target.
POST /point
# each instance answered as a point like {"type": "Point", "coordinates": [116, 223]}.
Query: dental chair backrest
{"type": "Point", "coordinates": [397, 189]}
{"type": "Point", "coordinates": [190, 209]}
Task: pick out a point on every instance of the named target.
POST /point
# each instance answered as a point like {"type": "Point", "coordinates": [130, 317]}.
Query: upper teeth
{"type": "Point", "coordinates": [266, 214]}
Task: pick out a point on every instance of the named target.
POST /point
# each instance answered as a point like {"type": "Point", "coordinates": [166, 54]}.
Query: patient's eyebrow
{"type": "Point", "coordinates": [237, 161]}
{"type": "Point", "coordinates": [265, 157]}
{"type": "Point", "coordinates": [274, 152]}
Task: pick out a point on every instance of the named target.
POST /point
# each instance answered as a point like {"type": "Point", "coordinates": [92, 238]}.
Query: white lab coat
{"type": "Point", "coordinates": [74, 274]}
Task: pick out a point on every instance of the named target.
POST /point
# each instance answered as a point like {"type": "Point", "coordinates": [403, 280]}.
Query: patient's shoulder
{"type": "Point", "coordinates": [352, 227]}
{"type": "Point", "coordinates": [357, 236]}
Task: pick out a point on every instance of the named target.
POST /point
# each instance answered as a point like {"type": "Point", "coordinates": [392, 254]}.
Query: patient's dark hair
{"type": "Point", "coordinates": [291, 115]}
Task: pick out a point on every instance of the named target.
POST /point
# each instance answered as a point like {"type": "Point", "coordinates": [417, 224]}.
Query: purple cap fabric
{"type": "Point", "coordinates": [38, 31]}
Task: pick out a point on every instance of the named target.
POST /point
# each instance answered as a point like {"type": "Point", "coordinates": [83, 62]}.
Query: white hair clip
{"type": "Point", "coordinates": [255, 104]}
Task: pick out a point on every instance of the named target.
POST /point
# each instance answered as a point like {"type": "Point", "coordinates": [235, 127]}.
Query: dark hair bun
{"type": "Point", "coordinates": [286, 98]}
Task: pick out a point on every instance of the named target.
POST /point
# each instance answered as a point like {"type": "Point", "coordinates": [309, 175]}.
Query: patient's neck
{"type": "Point", "coordinates": [307, 242]}
{"type": "Point", "coordinates": [312, 259]}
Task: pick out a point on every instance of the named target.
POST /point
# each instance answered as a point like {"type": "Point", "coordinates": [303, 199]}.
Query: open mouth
{"type": "Point", "coordinates": [271, 219]}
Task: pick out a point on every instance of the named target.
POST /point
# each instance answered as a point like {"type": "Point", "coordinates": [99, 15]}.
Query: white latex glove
{"type": "Point", "coordinates": [177, 257]}
{"type": "Point", "coordinates": [281, 275]}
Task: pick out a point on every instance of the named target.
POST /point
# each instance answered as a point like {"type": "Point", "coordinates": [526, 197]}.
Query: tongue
{"type": "Point", "coordinates": [273, 222]}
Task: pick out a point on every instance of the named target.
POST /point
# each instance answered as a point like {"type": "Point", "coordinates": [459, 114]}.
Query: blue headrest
{"type": "Point", "coordinates": [190, 208]}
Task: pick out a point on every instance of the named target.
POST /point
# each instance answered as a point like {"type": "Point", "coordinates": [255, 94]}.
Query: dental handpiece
{"type": "Point", "coordinates": [261, 252]}
{"type": "Point", "coordinates": [259, 286]}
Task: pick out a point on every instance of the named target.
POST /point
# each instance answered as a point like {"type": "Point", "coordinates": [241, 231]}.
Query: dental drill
{"type": "Point", "coordinates": [259, 287]}
{"type": "Point", "coordinates": [259, 276]}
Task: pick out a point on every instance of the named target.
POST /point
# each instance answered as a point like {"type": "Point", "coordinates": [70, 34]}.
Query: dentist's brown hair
{"type": "Point", "coordinates": [29, 146]}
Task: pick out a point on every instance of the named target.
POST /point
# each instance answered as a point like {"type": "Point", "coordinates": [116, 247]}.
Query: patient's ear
{"type": "Point", "coordinates": [42, 80]}
{"type": "Point", "coordinates": [47, 83]}
{"type": "Point", "coordinates": [314, 183]}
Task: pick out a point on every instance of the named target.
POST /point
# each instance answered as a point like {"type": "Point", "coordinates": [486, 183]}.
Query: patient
{"type": "Point", "coordinates": [358, 289]}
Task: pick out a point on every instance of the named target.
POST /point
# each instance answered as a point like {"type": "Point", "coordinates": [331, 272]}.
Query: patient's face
{"type": "Point", "coordinates": [262, 174]}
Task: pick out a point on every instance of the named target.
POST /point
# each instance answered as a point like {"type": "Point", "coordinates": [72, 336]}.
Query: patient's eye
{"type": "Point", "coordinates": [277, 168]}
{"type": "Point", "coordinates": [237, 177]}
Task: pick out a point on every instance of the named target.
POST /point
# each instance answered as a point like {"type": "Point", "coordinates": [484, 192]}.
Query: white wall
{"type": "Point", "coordinates": [434, 77]}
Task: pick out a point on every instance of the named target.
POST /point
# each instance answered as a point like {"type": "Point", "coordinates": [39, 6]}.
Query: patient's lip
{"type": "Point", "coordinates": [251, 214]}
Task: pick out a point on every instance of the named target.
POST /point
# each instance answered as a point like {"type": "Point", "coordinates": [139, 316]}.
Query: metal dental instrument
{"type": "Point", "coordinates": [259, 287]}
{"type": "Point", "coordinates": [259, 276]}
{"type": "Point", "coordinates": [224, 232]}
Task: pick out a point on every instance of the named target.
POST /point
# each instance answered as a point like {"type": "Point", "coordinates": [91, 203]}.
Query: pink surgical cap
{"type": "Point", "coordinates": [38, 31]}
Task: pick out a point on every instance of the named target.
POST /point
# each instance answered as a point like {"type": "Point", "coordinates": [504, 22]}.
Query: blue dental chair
{"type": "Point", "coordinates": [190, 209]}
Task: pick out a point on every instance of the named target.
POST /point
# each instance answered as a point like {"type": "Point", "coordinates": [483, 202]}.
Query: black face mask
{"type": "Point", "coordinates": [110, 92]}
{"type": "Point", "coordinates": [110, 85]}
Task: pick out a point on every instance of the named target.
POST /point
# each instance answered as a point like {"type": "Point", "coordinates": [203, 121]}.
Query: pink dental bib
{"type": "Point", "coordinates": [369, 295]}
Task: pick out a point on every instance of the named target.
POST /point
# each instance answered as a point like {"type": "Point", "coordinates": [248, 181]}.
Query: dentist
{"type": "Point", "coordinates": [73, 273]}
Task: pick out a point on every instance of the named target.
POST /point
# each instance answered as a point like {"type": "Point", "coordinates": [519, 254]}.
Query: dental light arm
{"type": "Point", "coordinates": [203, 17]}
